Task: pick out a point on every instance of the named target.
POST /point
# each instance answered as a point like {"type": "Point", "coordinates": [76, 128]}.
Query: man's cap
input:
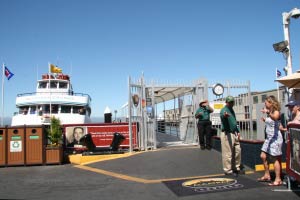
{"type": "Point", "coordinates": [229, 99]}
{"type": "Point", "coordinates": [292, 103]}
{"type": "Point", "coordinates": [202, 101]}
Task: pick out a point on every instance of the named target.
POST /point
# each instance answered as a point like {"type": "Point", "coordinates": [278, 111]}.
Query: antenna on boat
{"type": "Point", "coordinates": [37, 72]}
{"type": "Point", "coordinates": [71, 70]}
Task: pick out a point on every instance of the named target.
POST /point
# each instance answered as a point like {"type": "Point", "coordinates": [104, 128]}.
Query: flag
{"type": "Point", "coordinates": [8, 73]}
{"type": "Point", "coordinates": [278, 73]}
{"type": "Point", "coordinates": [55, 69]}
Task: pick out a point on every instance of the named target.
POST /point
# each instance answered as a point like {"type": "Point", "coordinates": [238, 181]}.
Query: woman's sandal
{"type": "Point", "coordinates": [278, 183]}
{"type": "Point", "coordinates": [264, 179]}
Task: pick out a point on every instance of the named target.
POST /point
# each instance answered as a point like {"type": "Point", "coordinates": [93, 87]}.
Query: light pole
{"type": "Point", "coordinates": [295, 13]}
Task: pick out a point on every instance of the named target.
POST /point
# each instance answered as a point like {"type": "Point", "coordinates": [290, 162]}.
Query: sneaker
{"type": "Point", "coordinates": [208, 147]}
{"type": "Point", "coordinates": [202, 147]}
{"type": "Point", "coordinates": [235, 174]}
{"type": "Point", "coordinates": [228, 173]}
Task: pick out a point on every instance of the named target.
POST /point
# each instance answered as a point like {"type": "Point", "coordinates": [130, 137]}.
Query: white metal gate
{"type": "Point", "coordinates": [144, 98]}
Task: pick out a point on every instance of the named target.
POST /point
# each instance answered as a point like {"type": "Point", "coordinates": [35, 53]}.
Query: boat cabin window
{"type": "Point", "coordinates": [32, 109]}
{"type": "Point", "coordinates": [65, 109]}
{"type": "Point", "coordinates": [82, 111]}
{"type": "Point", "coordinates": [78, 109]}
{"type": "Point", "coordinates": [54, 108]}
{"type": "Point", "coordinates": [63, 85]}
{"type": "Point", "coordinates": [23, 110]}
{"type": "Point", "coordinates": [40, 109]}
{"type": "Point", "coordinates": [43, 84]}
{"type": "Point", "coordinates": [46, 109]}
{"type": "Point", "coordinates": [53, 84]}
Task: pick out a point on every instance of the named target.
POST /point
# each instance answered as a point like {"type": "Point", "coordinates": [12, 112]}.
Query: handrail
{"type": "Point", "coordinates": [69, 93]}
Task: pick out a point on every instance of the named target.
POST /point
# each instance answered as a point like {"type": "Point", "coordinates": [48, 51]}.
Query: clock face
{"type": "Point", "coordinates": [218, 89]}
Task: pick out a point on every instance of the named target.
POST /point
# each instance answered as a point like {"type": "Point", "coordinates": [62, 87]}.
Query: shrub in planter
{"type": "Point", "coordinates": [54, 133]}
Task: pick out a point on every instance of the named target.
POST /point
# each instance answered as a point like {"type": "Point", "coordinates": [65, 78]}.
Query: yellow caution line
{"type": "Point", "coordinates": [113, 174]}
{"type": "Point", "coordinates": [271, 167]}
{"type": "Point", "coordinates": [141, 180]}
{"type": "Point", "coordinates": [84, 160]}
{"type": "Point", "coordinates": [89, 159]}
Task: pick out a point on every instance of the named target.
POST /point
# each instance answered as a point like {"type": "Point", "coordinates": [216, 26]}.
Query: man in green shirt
{"type": "Point", "coordinates": [230, 136]}
{"type": "Point", "coordinates": [204, 124]}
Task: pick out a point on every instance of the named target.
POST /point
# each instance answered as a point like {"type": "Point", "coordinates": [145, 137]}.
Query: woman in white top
{"type": "Point", "coordinates": [272, 146]}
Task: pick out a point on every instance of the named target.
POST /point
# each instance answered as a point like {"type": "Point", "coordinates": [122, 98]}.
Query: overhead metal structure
{"type": "Point", "coordinates": [166, 93]}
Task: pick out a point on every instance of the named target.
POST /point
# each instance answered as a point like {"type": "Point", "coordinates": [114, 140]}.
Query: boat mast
{"type": "Point", "coordinates": [2, 105]}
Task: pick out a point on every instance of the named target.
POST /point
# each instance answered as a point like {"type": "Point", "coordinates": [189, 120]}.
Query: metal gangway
{"type": "Point", "coordinates": [168, 108]}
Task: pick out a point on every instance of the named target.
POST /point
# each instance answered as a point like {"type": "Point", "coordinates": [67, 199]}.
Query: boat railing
{"type": "Point", "coordinates": [54, 93]}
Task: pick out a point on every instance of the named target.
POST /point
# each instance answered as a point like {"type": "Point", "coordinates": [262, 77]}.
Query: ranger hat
{"type": "Point", "coordinates": [202, 101]}
{"type": "Point", "coordinates": [229, 99]}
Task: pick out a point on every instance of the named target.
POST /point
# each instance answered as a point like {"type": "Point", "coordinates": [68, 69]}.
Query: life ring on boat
{"type": "Point", "coordinates": [46, 76]}
{"type": "Point", "coordinates": [66, 77]}
{"type": "Point", "coordinates": [63, 77]}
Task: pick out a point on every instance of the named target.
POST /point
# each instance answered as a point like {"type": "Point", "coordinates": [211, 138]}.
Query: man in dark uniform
{"type": "Point", "coordinates": [230, 139]}
{"type": "Point", "coordinates": [204, 124]}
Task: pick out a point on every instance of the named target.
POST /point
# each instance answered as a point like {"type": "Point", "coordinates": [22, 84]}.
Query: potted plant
{"type": "Point", "coordinates": [54, 150]}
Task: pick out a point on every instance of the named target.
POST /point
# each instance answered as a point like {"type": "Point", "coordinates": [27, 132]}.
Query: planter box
{"type": "Point", "coordinates": [54, 155]}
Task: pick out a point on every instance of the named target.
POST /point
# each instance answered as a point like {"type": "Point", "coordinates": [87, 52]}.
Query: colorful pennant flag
{"type": "Point", "coordinates": [55, 69]}
{"type": "Point", "coordinates": [278, 73]}
{"type": "Point", "coordinates": [8, 73]}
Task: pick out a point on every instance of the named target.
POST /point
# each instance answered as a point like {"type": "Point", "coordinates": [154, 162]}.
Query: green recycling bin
{"type": "Point", "coordinates": [15, 146]}
{"type": "Point", "coordinates": [3, 146]}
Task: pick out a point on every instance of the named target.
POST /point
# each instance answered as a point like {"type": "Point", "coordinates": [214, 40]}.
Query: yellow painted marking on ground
{"type": "Point", "coordinates": [113, 174]}
{"type": "Point", "coordinates": [84, 160]}
{"type": "Point", "coordinates": [271, 167]}
{"type": "Point", "coordinates": [141, 180]}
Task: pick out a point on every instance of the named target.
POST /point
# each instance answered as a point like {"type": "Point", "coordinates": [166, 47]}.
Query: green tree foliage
{"type": "Point", "coordinates": [54, 132]}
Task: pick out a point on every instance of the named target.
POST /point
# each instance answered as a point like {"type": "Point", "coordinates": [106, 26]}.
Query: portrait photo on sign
{"type": "Point", "coordinates": [73, 135]}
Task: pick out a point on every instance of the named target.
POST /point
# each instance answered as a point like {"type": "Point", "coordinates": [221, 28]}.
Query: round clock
{"type": "Point", "coordinates": [218, 89]}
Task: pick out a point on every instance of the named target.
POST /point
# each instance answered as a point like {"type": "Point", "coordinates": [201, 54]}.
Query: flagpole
{"type": "Point", "coordinates": [2, 104]}
{"type": "Point", "coordinates": [50, 105]}
{"type": "Point", "coordinates": [277, 84]}
{"type": "Point", "coordinates": [50, 89]}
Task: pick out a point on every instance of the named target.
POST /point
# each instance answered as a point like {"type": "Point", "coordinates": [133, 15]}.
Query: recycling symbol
{"type": "Point", "coordinates": [16, 144]}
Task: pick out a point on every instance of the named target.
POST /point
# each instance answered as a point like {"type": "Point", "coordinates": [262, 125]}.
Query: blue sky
{"type": "Point", "coordinates": [103, 42]}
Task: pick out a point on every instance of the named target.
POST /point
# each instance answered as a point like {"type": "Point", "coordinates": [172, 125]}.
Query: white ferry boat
{"type": "Point", "coordinates": [54, 97]}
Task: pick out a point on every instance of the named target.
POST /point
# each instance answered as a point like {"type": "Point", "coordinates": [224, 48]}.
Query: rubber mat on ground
{"type": "Point", "coordinates": [210, 185]}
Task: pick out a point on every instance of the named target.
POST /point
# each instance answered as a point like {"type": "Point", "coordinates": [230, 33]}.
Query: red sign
{"type": "Point", "coordinates": [102, 134]}
{"type": "Point", "coordinates": [293, 151]}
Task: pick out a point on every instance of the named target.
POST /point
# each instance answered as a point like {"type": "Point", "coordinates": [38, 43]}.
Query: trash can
{"type": "Point", "coordinates": [107, 115]}
{"type": "Point", "coordinates": [116, 142]}
{"type": "Point", "coordinates": [34, 145]}
{"type": "Point", "coordinates": [15, 143]}
{"type": "Point", "coordinates": [107, 118]}
{"type": "Point", "coordinates": [3, 146]}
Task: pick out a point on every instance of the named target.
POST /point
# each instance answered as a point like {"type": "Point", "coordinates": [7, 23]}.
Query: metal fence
{"type": "Point", "coordinates": [183, 124]}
